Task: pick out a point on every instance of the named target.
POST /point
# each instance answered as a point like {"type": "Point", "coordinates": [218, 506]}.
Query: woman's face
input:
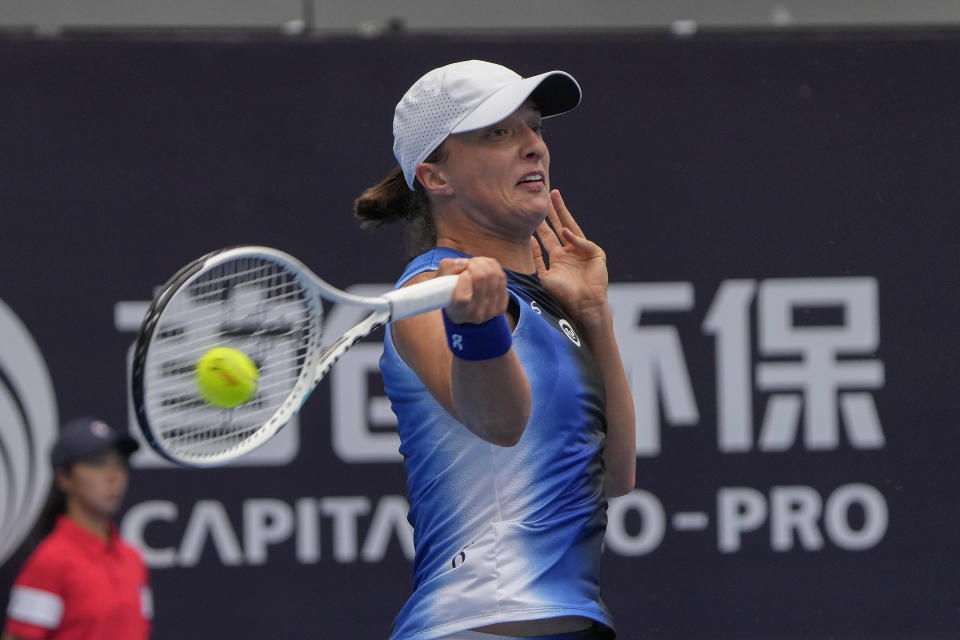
{"type": "Point", "coordinates": [97, 484]}
{"type": "Point", "coordinates": [500, 175]}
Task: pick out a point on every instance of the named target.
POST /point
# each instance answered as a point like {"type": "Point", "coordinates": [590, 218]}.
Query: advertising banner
{"type": "Point", "coordinates": [781, 218]}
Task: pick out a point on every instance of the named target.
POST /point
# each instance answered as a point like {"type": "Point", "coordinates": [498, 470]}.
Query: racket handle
{"type": "Point", "coordinates": [421, 297]}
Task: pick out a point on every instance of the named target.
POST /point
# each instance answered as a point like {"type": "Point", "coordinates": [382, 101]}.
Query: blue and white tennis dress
{"type": "Point", "coordinates": [505, 533]}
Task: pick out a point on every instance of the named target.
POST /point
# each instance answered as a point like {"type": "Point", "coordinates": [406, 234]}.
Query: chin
{"type": "Point", "coordinates": [109, 510]}
{"type": "Point", "coordinates": [539, 213]}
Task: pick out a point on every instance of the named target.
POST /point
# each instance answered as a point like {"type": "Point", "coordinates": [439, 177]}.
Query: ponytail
{"type": "Point", "coordinates": [54, 507]}
{"type": "Point", "coordinates": [391, 200]}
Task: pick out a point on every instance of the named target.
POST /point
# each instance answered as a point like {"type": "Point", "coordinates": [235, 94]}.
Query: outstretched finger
{"type": "Point", "coordinates": [553, 220]}
{"type": "Point", "coordinates": [537, 252]}
{"type": "Point", "coordinates": [563, 215]}
{"type": "Point", "coordinates": [549, 236]}
{"type": "Point", "coordinates": [581, 245]}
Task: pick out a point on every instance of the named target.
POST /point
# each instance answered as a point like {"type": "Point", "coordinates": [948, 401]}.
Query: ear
{"type": "Point", "coordinates": [433, 178]}
{"type": "Point", "coordinates": [62, 479]}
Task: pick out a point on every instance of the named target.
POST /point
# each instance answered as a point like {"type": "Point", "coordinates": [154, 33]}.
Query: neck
{"type": "Point", "coordinates": [512, 256]}
{"type": "Point", "coordinates": [94, 523]}
{"type": "Point", "coordinates": [510, 247]}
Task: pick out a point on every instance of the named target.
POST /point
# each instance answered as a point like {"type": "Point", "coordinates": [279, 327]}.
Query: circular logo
{"type": "Point", "coordinates": [568, 329]}
{"type": "Point", "coordinates": [99, 429]}
{"type": "Point", "coordinates": [28, 427]}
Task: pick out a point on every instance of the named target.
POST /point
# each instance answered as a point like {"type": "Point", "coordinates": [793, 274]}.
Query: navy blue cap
{"type": "Point", "coordinates": [85, 437]}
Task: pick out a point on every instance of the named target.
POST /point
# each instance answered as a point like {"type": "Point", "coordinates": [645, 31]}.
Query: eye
{"type": "Point", "coordinates": [497, 132]}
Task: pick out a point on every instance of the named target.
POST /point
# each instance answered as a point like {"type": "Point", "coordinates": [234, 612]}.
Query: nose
{"type": "Point", "coordinates": [533, 144]}
{"type": "Point", "coordinates": [116, 471]}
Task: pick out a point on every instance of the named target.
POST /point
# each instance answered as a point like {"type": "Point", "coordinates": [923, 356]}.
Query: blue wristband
{"type": "Point", "coordinates": [484, 341]}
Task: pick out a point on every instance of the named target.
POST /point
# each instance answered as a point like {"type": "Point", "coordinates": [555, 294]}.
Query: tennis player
{"type": "Point", "coordinates": [83, 582]}
{"type": "Point", "coordinates": [514, 411]}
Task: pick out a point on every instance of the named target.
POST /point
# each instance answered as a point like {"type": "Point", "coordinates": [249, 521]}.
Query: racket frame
{"type": "Point", "coordinates": [391, 306]}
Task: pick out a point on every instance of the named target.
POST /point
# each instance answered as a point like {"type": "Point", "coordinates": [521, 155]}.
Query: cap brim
{"type": "Point", "coordinates": [122, 442]}
{"type": "Point", "coordinates": [555, 92]}
{"type": "Point", "coordinates": [126, 444]}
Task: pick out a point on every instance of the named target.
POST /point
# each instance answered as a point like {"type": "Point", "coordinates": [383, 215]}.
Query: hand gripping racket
{"type": "Point", "coordinates": [268, 305]}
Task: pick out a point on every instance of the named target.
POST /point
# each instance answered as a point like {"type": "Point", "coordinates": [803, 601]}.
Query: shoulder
{"type": "Point", "coordinates": [131, 554]}
{"type": "Point", "coordinates": [46, 565]}
{"type": "Point", "coordinates": [129, 550]}
{"type": "Point", "coordinates": [424, 266]}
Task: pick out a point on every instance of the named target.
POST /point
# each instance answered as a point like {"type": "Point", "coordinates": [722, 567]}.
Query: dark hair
{"type": "Point", "coordinates": [391, 200]}
{"type": "Point", "coordinates": [54, 507]}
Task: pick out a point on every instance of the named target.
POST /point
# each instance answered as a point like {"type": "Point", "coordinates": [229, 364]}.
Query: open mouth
{"type": "Point", "coordinates": [531, 178]}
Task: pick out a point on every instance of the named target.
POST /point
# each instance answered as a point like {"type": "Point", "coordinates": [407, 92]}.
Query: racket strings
{"type": "Point", "coordinates": [251, 304]}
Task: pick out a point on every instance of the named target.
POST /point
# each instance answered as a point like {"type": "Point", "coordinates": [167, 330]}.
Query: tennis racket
{"type": "Point", "coordinates": [268, 305]}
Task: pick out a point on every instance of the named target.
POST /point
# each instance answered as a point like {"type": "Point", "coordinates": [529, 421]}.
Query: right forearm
{"type": "Point", "coordinates": [464, 355]}
{"type": "Point", "coordinates": [491, 397]}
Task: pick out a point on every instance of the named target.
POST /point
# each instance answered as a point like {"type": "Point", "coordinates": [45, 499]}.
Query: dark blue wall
{"type": "Point", "coordinates": [772, 166]}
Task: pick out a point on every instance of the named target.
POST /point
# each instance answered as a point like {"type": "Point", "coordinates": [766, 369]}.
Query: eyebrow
{"type": "Point", "coordinates": [530, 102]}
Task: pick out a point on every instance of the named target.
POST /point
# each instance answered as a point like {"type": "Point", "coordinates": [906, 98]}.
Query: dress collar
{"type": "Point", "coordinates": [86, 538]}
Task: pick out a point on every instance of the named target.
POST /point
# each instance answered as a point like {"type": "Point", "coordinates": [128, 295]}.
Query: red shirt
{"type": "Point", "coordinates": [76, 586]}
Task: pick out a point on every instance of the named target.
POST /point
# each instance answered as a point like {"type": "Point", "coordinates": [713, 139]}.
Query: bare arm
{"type": "Point", "coordinates": [578, 279]}
{"type": "Point", "coordinates": [489, 397]}
{"type": "Point", "coordinates": [620, 452]}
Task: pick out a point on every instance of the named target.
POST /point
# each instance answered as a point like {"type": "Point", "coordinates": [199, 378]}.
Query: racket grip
{"type": "Point", "coordinates": [421, 297]}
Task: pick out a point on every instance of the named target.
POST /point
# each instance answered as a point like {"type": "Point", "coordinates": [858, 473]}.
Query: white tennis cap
{"type": "Point", "coordinates": [469, 95]}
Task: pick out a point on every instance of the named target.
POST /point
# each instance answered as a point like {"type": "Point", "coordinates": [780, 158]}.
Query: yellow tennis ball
{"type": "Point", "coordinates": [226, 377]}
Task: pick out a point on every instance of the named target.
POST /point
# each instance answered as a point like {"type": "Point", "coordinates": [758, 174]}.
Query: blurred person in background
{"type": "Point", "coordinates": [83, 582]}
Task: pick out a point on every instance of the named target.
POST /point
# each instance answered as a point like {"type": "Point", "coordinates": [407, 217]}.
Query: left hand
{"type": "Point", "coordinates": [577, 276]}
